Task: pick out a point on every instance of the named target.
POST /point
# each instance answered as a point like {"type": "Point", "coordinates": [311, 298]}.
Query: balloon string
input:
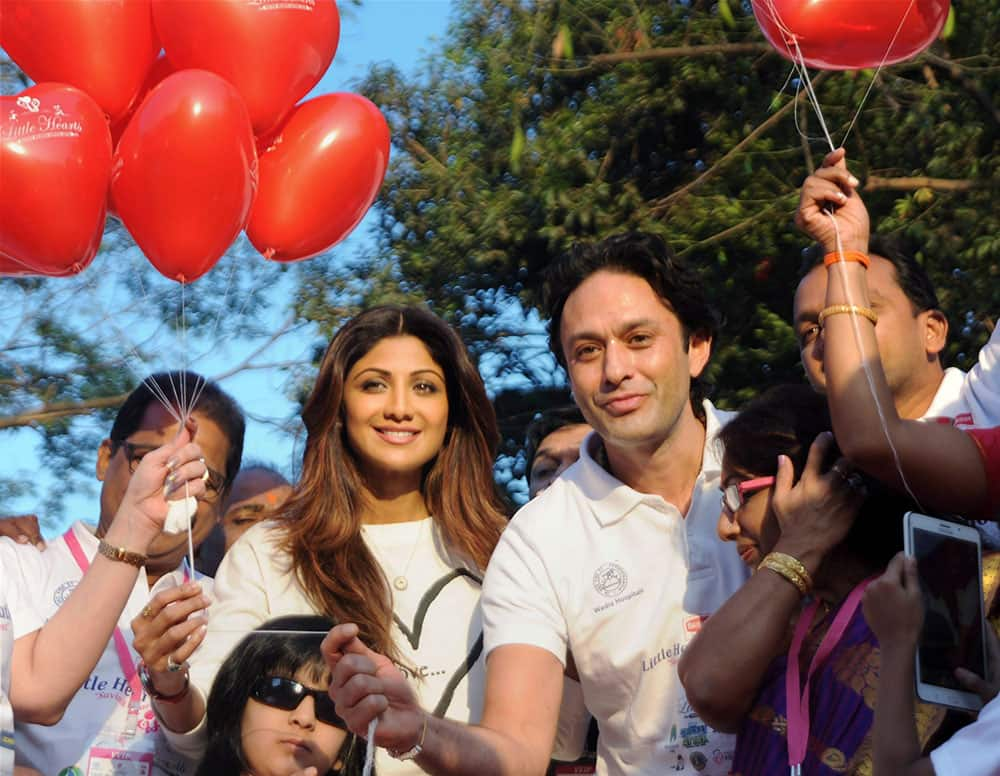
{"type": "Point", "coordinates": [878, 70]}
{"type": "Point", "coordinates": [800, 65]}
{"type": "Point", "coordinates": [370, 748]}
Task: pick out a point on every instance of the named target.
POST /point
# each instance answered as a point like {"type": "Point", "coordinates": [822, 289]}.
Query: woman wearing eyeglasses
{"type": "Point", "coordinates": [269, 713]}
{"type": "Point", "coordinates": [390, 525]}
{"type": "Point", "coordinates": [815, 532]}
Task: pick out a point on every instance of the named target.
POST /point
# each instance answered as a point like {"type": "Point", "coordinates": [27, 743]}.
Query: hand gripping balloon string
{"type": "Point", "coordinates": [370, 749]}
{"type": "Point", "coordinates": [865, 363]}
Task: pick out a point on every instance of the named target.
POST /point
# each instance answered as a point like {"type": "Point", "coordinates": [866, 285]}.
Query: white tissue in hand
{"type": "Point", "coordinates": [178, 513]}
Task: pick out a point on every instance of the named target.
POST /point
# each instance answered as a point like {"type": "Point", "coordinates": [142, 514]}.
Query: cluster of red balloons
{"type": "Point", "coordinates": [188, 148]}
{"type": "Point", "coordinates": [850, 34]}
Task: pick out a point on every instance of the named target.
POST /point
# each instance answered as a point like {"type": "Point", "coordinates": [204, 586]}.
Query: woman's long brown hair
{"type": "Point", "coordinates": [323, 515]}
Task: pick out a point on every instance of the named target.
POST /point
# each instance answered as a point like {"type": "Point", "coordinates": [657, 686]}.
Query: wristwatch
{"type": "Point", "coordinates": [415, 750]}
{"type": "Point", "coordinates": [147, 684]}
{"type": "Point", "coordinates": [121, 555]}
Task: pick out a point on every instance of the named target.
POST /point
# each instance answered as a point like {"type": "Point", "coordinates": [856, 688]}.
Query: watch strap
{"type": "Point", "coordinates": [121, 555]}
{"type": "Point", "coordinates": [156, 695]}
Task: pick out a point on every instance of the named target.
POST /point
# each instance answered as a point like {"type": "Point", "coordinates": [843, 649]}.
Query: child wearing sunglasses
{"type": "Point", "coordinates": [269, 713]}
{"type": "Point", "coordinates": [799, 687]}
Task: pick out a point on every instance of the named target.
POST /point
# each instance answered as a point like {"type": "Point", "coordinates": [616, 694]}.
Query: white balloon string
{"type": "Point", "coordinates": [865, 363]}
{"type": "Point", "coordinates": [885, 57]}
{"type": "Point", "coordinates": [370, 748]}
{"type": "Point", "coordinates": [190, 533]}
{"type": "Point", "coordinates": [811, 94]}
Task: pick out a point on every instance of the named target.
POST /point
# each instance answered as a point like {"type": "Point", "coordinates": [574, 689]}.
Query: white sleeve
{"type": "Point", "coordinates": [191, 744]}
{"type": "Point", "coordinates": [240, 604]}
{"type": "Point", "coordinates": [981, 390]}
{"type": "Point", "coordinates": [973, 750]}
{"type": "Point", "coordinates": [519, 602]}
{"type": "Point", "coordinates": [24, 571]}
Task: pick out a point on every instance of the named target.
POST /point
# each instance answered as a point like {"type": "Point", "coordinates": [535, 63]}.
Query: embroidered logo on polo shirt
{"type": "Point", "coordinates": [610, 580]}
{"type": "Point", "coordinates": [62, 592]}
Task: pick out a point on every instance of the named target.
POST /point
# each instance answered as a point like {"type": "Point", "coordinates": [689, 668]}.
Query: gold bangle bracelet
{"type": "Point", "coordinates": [121, 555]}
{"type": "Point", "coordinates": [790, 568]}
{"type": "Point", "coordinates": [836, 309]}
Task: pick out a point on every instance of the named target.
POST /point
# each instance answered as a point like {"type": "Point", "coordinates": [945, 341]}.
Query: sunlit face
{"type": "Point", "coordinates": [753, 526]}
{"type": "Point", "coordinates": [156, 429]}
{"type": "Point", "coordinates": [629, 361]}
{"type": "Point", "coordinates": [908, 343]}
{"type": "Point", "coordinates": [277, 742]}
{"type": "Point", "coordinates": [254, 497]}
{"type": "Point", "coordinates": [396, 411]}
{"type": "Point", "coordinates": [555, 454]}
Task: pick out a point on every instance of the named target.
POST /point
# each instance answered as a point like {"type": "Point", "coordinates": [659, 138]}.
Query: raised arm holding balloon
{"type": "Point", "coordinates": [110, 714]}
{"type": "Point", "coordinates": [49, 662]}
{"type": "Point", "coordinates": [943, 467]}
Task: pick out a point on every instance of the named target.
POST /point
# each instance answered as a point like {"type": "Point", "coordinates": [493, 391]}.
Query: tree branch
{"type": "Point", "coordinates": [673, 52]}
{"type": "Point", "coordinates": [955, 71]}
{"type": "Point", "coordinates": [50, 411]}
{"type": "Point", "coordinates": [417, 149]}
{"type": "Point", "coordinates": [875, 183]}
{"type": "Point", "coordinates": [660, 206]}
{"type": "Point", "coordinates": [62, 409]}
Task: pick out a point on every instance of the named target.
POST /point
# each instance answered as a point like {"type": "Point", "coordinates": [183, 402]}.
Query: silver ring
{"type": "Point", "coordinates": [204, 476]}
{"type": "Point", "coordinates": [172, 665]}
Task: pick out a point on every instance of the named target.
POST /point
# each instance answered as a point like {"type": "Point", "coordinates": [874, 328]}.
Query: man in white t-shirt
{"type": "Point", "coordinates": [981, 390]}
{"type": "Point", "coordinates": [110, 720]}
{"type": "Point", "coordinates": [912, 332]}
{"type": "Point", "coordinates": [617, 563]}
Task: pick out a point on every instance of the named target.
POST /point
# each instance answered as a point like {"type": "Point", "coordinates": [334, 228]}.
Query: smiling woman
{"type": "Point", "coordinates": [391, 524]}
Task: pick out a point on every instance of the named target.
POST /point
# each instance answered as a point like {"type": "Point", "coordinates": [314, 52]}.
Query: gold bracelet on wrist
{"type": "Point", "coordinates": [790, 568]}
{"type": "Point", "coordinates": [121, 555]}
{"type": "Point", "coordinates": [835, 309]}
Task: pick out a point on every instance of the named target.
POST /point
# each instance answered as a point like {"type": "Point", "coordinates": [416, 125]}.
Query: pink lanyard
{"type": "Point", "coordinates": [797, 703]}
{"type": "Point", "coordinates": [121, 645]}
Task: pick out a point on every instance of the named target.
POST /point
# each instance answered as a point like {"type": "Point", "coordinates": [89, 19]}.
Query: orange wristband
{"type": "Point", "coordinates": [858, 256]}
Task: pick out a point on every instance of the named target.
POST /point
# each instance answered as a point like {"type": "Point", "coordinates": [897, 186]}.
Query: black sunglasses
{"type": "Point", "coordinates": [281, 692]}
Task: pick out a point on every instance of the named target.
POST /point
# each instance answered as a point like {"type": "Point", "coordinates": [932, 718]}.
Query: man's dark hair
{"type": "Point", "coordinates": [544, 424]}
{"type": "Point", "coordinates": [634, 253]}
{"type": "Point", "coordinates": [272, 471]}
{"type": "Point", "coordinates": [910, 274]}
{"type": "Point", "coordinates": [212, 402]}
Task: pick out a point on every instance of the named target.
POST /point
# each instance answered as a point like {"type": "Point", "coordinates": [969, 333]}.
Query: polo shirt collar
{"type": "Point", "coordinates": [611, 499]}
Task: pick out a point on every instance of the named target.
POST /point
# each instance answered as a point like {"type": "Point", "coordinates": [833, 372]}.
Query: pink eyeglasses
{"type": "Point", "coordinates": [734, 496]}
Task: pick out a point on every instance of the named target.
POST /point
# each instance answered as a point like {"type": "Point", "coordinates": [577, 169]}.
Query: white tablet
{"type": "Point", "coordinates": [949, 564]}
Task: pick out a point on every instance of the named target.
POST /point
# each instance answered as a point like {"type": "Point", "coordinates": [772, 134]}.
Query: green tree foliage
{"type": "Point", "coordinates": [542, 123]}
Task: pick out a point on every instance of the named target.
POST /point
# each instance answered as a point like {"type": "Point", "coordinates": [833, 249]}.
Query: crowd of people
{"type": "Point", "coordinates": [688, 589]}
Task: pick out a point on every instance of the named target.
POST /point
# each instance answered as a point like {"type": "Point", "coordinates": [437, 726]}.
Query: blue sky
{"type": "Point", "coordinates": [399, 31]}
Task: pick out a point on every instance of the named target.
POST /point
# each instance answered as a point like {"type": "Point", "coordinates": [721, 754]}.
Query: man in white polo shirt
{"type": "Point", "coordinates": [617, 563]}
{"type": "Point", "coordinates": [109, 725]}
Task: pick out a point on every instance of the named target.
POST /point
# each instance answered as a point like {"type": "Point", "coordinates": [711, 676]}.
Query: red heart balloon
{"type": "Point", "coordinates": [184, 173]}
{"type": "Point", "coordinates": [55, 161]}
{"type": "Point", "coordinates": [850, 34]}
{"type": "Point", "coordinates": [272, 51]}
{"type": "Point", "coordinates": [103, 47]}
{"type": "Point", "coordinates": [319, 177]}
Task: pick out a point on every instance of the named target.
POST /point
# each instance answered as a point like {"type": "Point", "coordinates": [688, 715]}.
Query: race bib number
{"type": "Point", "coordinates": [118, 762]}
